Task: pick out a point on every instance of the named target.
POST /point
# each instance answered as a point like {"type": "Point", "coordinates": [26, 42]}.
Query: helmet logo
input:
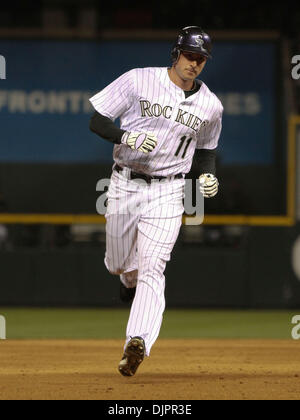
{"type": "Point", "coordinates": [199, 41]}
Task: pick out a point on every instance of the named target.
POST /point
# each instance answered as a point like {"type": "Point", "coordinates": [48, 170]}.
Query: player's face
{"type": "Point", "coordinates": [190, 65]}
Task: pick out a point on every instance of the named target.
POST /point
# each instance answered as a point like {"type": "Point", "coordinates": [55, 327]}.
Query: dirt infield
{"type": "Point", "coordinates": [176, 370]}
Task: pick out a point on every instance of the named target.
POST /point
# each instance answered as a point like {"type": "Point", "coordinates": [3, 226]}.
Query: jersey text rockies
{"type": "Point", "coordinates": [182, 117]}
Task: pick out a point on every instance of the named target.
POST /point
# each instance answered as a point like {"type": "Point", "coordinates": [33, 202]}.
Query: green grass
{"type": "Point", "coordinates": [34, 323]}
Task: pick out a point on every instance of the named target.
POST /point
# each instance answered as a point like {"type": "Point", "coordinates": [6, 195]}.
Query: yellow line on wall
{"type": "Point", "coordinates": [66, 219]}
{"type": "Point", "coordinates": [57, 219]}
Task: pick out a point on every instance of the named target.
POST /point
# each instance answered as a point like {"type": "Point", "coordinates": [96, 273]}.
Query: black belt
{"type": "Point", "coordinates": [147, 178]}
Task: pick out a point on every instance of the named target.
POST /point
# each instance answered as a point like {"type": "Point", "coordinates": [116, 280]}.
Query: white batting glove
{"type": "Point", "coordinates": [144, 142]}
{"type": "Point", "coordinates": [209, 185]}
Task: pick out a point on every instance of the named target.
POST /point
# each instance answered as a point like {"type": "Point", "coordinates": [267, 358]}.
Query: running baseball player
{"type": "Point", "coordinates": [167, 116]}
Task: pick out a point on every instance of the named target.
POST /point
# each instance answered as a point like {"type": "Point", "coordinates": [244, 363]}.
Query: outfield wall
{"type": "Point", "coordinates": [254, 272]}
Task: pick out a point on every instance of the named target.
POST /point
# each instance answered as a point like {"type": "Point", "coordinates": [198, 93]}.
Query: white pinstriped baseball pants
{"type": "Point", "coordinates": [142, 225]}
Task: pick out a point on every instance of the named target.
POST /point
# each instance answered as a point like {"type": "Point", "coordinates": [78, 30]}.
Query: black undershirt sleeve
{"type": "Point", "coordinates": [204, 161]}
{"type": "Point", "coordinates": [105, 128]}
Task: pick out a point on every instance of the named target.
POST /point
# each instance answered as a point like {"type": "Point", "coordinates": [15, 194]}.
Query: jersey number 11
{"type": "Point", "coordinates": [182, 141]}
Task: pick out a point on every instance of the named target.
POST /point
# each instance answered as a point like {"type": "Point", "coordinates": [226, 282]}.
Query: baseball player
{"type": "Point", "coordinates": [167, 116]}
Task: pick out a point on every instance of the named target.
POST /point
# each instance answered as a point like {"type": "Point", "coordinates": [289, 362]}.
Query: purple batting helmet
{"type": "Point", "coordinates": [192, 39]}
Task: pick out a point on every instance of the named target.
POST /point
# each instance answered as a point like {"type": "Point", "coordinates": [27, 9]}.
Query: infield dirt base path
{"type": "Point", "coordinates": [176, 370]}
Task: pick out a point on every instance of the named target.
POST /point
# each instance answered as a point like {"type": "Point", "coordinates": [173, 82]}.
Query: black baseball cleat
{"type": "Point", "coordinates": [127, 294]}
{"type": "Point", "coordinates": [133, 356]}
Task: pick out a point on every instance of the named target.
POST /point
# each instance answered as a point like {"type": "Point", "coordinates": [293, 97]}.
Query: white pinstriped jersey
{"type": "Point", "coordinates": [146, 100]}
